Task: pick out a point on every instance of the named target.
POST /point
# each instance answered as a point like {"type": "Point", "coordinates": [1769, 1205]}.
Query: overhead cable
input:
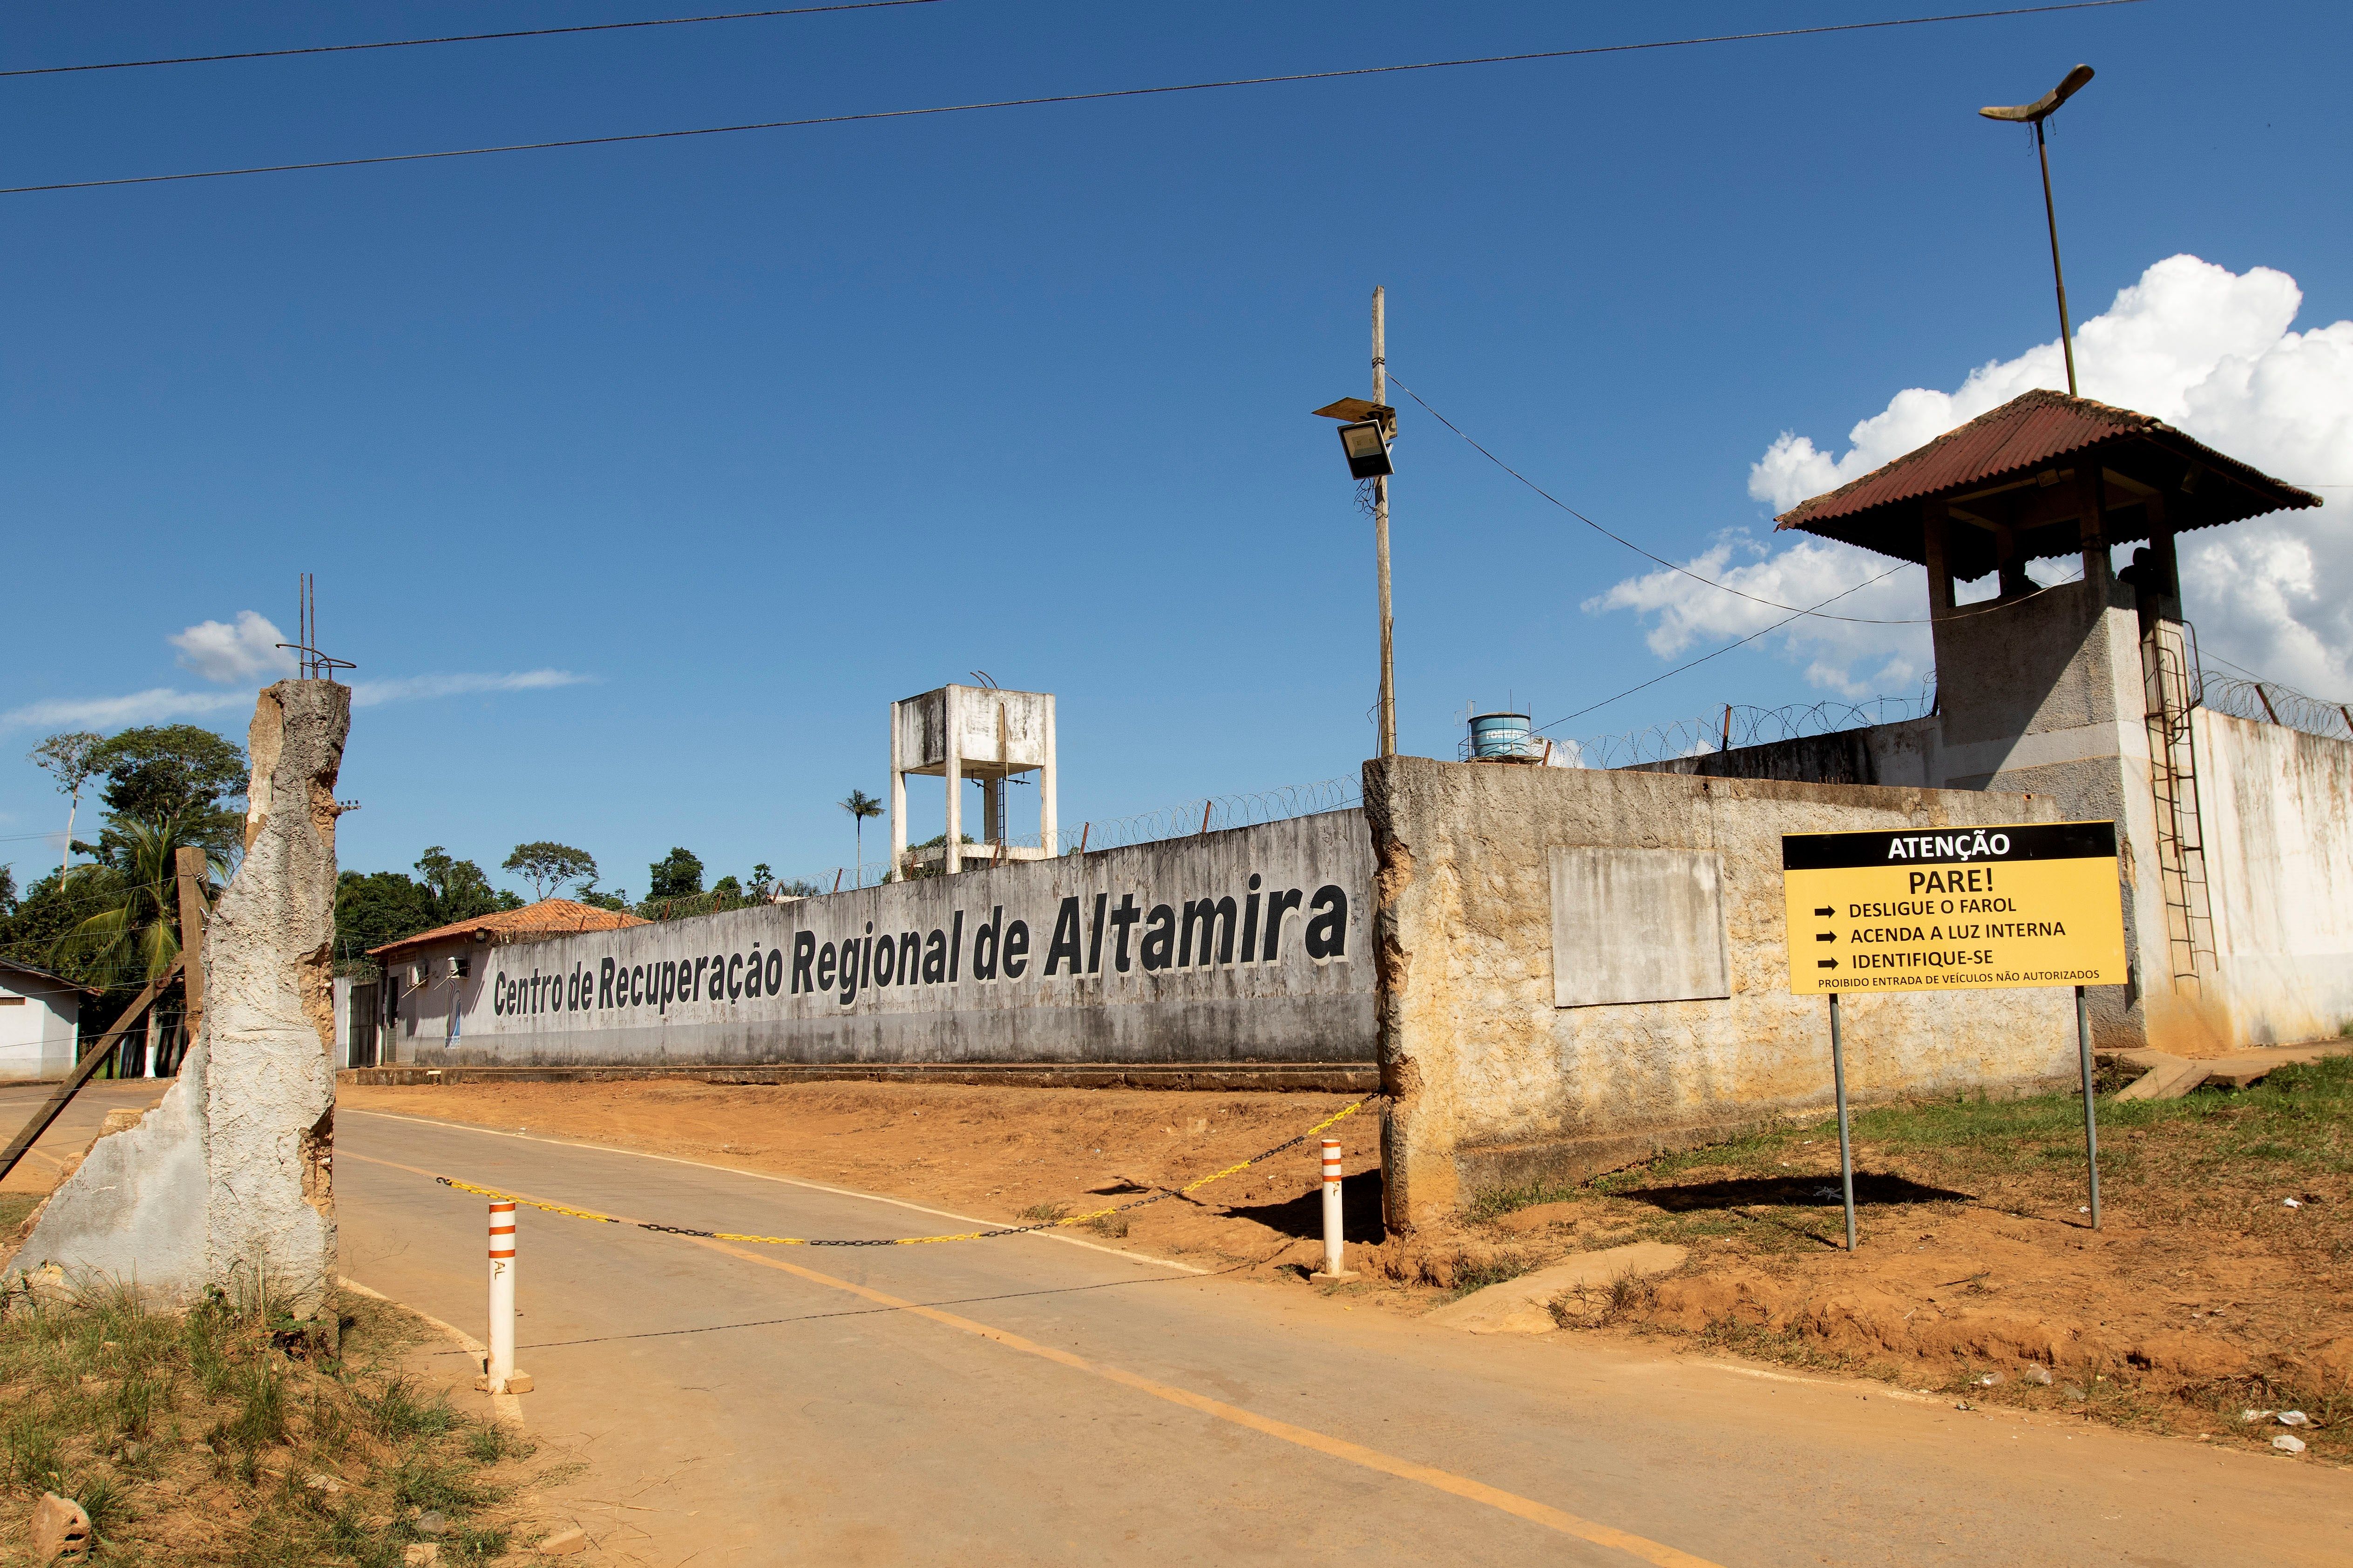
{"type": "Point", "coordinates": [455, 38]}
{"type": "Point", "coordinates": [1727, 648]}
{"type": "Point", "coordinates": [1054, 98]}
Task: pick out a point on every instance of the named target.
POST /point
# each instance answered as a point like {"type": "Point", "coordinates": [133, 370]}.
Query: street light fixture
{"type": "Point", "coordinates": [1367, 449]}
{"type": "Point", "coordinates": [2035, 113]}
{"type": "Point", "coordinates": [1366, 431]}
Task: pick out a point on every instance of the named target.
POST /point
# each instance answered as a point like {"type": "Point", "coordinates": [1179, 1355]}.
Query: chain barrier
{"type": "Point", "coordinates": [570, 1213]}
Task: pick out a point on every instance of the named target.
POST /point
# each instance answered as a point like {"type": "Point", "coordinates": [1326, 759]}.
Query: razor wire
{"type": "Point", "coordinates": [2269, 702]}
{"type": "Point", "coordinates": [1734, 726]}
{"type": "Point", "coordinates": [1213, 814]}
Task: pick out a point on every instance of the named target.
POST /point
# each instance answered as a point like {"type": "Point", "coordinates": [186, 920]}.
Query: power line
{"type": "Point", "coordinates": [1622, 539]}
{"type": "Point", "coordinates": [456, 38]}
{"type": "Point", "coordinates": [1058, 98]}
{"type": "Point", "coordinates": [1956, 614]}
{"type": "Point", "coordinates": [1727, 648]}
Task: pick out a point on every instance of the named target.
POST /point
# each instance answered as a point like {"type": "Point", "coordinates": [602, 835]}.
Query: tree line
{"type": "Point", "coordinates": [108, 916]}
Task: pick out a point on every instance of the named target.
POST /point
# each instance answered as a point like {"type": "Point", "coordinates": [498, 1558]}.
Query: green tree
{"type": "Point", "coordinates": [374, 908]}
{"type": "Point", "coordinates": [457, 889]}
{"type": "Point", "coordinates": [164, 772]}
{"type": "Point", "coordinates": [547, 866]}
{"type": "Point", "coordinates": [617, 899]}
{"type": "Point", "coordinates": [860, 805]}
{"type": "Point", "coordinates": [70, 758]}
{"type": "Point", "coordinates": [677, 875]}
{"type": "Point", "coordinates": [135, 932]}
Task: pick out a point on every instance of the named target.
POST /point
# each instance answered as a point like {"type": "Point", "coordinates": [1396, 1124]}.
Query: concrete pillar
{"type": "Point", "coordinates": [2090, 502]}
{"type": "Point", "coordinates": [898, 798]}
{"type": "Point", "coordinates": [227, 1182]}
{"type": "Point", "coordinates": [953, 774]}
{"type": "Point", "coordinates": [1047, 825]}
{"type": "Point", "coordinates": [1936, 529]}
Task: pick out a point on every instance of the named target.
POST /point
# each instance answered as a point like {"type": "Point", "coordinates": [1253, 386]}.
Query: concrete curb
{"type": "Point", "coordinates": [1316, 1077]}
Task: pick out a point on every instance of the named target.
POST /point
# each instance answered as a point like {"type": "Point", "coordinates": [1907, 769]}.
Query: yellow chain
{"type": "Point", "coordinates": [571, 1213]}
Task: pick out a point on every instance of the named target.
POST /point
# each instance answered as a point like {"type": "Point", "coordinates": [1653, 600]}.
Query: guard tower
{"type": "Point", "coordinates": [2081, 690]}
{"type": "Point", "coordinates": [984, 734]}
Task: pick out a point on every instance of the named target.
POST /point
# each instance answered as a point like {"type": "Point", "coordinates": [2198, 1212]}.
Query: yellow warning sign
{"type": "Point", "coordinates": [1954, 908]}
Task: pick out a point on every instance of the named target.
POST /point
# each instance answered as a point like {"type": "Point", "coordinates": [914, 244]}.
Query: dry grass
{"type": "Point", "coordinates": [2222, 1283]}
{"type": "Point", "coordinates": [239, 1436]}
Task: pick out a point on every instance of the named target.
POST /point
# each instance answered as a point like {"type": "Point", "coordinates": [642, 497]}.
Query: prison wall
{"type": "Point", "coordinates": [1246, 945]}
{"type": "Point", "coordinates": [2276, 809]}
{"type": "Point", "coordinates": [1577, 969]}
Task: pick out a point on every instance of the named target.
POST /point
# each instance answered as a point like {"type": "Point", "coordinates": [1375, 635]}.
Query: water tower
{"type": "Point", "coordinates": [978, 732]}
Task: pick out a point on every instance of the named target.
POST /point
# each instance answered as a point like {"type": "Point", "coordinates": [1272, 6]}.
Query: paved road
{"type": "Point", "coordinates": [71, 1133]}
{"type": "Point", "coordinates": [1023, 1400]}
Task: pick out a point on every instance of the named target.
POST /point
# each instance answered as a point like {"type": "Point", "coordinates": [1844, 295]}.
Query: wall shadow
{"type": "Point", "coordinates": [1303, 1216]}
{"type": "Point", "coordinates": [1792, 1192]}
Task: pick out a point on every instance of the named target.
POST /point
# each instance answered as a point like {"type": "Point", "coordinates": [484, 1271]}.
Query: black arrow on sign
{"type": "Point", "coordinates": [1826, 963]}
{"type": "Point", "coordinates": [1826, 936]}
{"type": "Point", "coordinates": [1826, 911]}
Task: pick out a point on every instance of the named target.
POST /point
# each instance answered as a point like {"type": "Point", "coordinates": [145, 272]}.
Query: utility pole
{"type": "Point", "coordinates": [188, 863]}
{"type": "Point", "coordinates": [1381, 527]}
{"type": "Point", "coordinates": [2036, 113]}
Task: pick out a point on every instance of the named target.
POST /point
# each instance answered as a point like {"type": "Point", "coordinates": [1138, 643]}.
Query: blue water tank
{"type": "Point", "coordinates": [1502, 738]}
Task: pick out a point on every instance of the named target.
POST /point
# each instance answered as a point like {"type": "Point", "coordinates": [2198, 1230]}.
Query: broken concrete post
{"type": "Point", "coordinates": [226, 1182]}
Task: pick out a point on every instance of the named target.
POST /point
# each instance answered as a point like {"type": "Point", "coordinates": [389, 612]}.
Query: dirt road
{"type": "Point", "coordinates": [1038, 1399]}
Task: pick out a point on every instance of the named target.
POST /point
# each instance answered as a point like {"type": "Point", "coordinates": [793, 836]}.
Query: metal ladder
{"type": "Point", "coordinates": [2169, 675]}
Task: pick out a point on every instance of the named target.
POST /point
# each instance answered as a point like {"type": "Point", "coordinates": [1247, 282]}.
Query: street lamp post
{"type": "Point", "coordinates": [2036, 113]}
{"type": "Point", "coordinates": [1366, 431]}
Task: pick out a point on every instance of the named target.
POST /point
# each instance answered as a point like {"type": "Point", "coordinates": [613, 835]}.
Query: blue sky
{"type": "Point", "coordinates": [745, 436]}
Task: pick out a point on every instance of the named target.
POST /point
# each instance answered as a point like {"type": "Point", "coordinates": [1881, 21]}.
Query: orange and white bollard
{"type": "Point", "coordinates": [1334, 1268]}
{"type": "Point", "coordinates": [502, 1283]}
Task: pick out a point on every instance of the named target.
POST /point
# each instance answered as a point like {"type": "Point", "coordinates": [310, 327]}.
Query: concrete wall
{"type": "Point", "coordinates": [226, 1181]}
{"type": "Point", "coordinates": [40, 1026]}
{"type": "Point", "coordinates": [2046, 695]}
{"type": "Point", "coordinates": [1078, 959]}
{"type": "Point", "coordinates": [1494, 1085]}
{"type": "Point", "coordinates": [2277, 809]}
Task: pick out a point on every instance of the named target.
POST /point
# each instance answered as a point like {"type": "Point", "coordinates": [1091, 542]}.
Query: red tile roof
{"type": "Point", "coordinates": [2034, 432]}
{"type": "Point", "coordinates": [532, 922]}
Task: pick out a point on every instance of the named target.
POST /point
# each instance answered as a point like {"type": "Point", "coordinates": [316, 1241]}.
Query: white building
{"type": "Point", "coordinates": [41, 1023]}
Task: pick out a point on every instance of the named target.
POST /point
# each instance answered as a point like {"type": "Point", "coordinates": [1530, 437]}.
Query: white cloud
{"type": "Point", "coordinates": [149, 707]}
{"type": "Point", "coordinates": [1851, 657]}
{"type": "Point", "coordinates": [412, 688]}
{"type": "Point", "coordinates": [162, 702]}
{"type": "Point", "coordinates": [246, 652]}
{"type": "Point", "coordinates": [2193, 343]}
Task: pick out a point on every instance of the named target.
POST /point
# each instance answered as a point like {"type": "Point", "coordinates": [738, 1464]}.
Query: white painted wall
{"type": "Point", "coordinates": [41, 1033]}
{"type": "Point", "coordinates": [2276, 805]}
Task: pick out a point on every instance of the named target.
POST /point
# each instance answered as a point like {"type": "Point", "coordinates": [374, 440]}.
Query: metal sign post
{"type": "Point", "coordinates": [1846, 1148]}
{"type": "Point", "coordinates": [2091, 1113]}
{"type": "Point", "coordinates": [1996, 907]}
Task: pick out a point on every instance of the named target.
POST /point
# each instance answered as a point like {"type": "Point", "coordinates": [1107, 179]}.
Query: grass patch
{"type": "Point", "coordinates": [228, 1435]}
{"type": "Point", "coordinates": [1045, 1213]}
{"type": "Point", "coordinates": [1495, 1202]}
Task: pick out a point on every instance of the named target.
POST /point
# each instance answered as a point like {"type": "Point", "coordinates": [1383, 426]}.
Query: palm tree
{"type": "Point", "coordinates": [861, 806]}
{"type": "Point", "coordinates": [138, 933]}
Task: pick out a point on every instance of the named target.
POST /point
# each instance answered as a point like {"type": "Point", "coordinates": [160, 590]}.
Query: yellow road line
{"type": "Point", "coordinates": [1551, 1517]}
{"type": "Point", "coordinates": [1567, 1523]}
{"type": "Point", "coordinates": [1066, 1240]}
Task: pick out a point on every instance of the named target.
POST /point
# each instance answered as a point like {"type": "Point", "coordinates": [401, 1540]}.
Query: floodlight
{"type": "Point", "coordinates": [1367, 447]}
